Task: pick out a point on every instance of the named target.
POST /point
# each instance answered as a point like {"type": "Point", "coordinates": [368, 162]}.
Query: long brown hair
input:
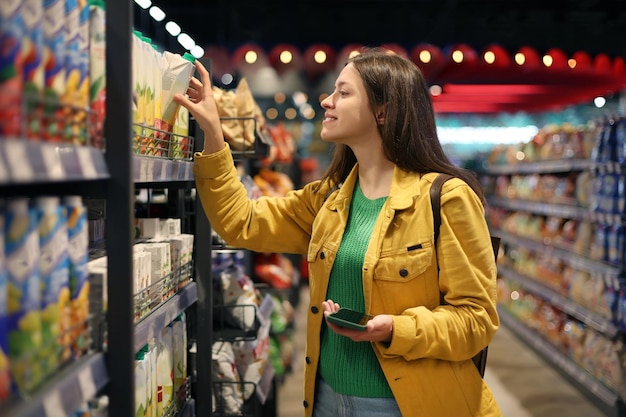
{"type": "Point", "coordinates": [409, 134]}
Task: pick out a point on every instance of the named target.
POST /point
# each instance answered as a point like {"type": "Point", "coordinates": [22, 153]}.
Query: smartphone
{"type": "Point", "coordinates": [351, 319]}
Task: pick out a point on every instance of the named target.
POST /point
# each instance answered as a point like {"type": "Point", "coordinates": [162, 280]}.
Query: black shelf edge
{"type": "Point", "coordinates": [601, 395]}
{"type": "Point", "coordinates": [150, 325]}
{"type": "Point", "coordinates": [160, 170]}
{"type": "Point", "coordinates": [33, 162]}
{"type": "Point", "coordinates": [66, 391]}
{"type": "Point", "coordinates": [590, 318]}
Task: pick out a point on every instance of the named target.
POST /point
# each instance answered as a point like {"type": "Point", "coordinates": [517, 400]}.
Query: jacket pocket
{"type": "Point", "coordinates": [404, 265]}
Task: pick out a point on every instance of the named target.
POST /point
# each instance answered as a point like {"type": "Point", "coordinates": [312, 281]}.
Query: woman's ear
{"type": "Point", "coordinates": [380, 116]}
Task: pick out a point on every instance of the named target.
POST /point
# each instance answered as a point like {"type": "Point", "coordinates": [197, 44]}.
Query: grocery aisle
{"type": "Point", "coordinates": [524, 385]}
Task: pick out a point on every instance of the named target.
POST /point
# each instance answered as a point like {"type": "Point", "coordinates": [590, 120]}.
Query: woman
{"type": "Point", "coordinates": [367, 230]}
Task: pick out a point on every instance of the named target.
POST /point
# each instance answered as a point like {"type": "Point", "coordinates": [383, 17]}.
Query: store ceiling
{"type": "Point", "coordinates": [592, 26]}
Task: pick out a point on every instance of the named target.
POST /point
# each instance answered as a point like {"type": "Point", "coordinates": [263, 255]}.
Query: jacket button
{"type": "Point", "coordinates": [314, 310]}
{"type": "Point", "coordinates": [322, 255]}
{"type": "Point", "coordinates": [305, 403]}
{"type": "Point", "coordinates": [404, 273]}
{"type": "Point", "coordinates": [307, 360]}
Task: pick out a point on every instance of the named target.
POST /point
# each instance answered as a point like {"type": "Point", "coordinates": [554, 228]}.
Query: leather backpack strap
{"type": "Point", "coordinates": [435, 202]}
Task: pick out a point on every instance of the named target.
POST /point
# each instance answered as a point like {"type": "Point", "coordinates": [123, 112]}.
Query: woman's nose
{"type": "Point", "coordinates": [326, 102]}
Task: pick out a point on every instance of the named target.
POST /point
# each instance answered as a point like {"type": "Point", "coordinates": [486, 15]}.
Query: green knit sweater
{"type": "Point", "coordinates": [351, 368]}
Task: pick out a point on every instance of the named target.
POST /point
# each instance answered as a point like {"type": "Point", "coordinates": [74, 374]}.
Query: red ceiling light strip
{"type": "Point", "coordinates": [493, 80]}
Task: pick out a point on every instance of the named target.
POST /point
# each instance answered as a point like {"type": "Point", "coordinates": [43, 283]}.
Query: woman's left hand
{"type": "Point", "coordinates": [378, 329]}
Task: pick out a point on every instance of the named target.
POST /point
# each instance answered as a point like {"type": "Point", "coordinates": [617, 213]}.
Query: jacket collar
{"type": "Point", "coordinates": [404, 189]}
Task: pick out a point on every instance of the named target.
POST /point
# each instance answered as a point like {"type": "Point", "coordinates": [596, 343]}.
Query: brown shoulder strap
{"type": "Point", "coordinates": [435, 201]}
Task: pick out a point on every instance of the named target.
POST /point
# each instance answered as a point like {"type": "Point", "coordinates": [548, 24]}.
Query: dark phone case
{"type": "Point", "coordinates": [351, 319]}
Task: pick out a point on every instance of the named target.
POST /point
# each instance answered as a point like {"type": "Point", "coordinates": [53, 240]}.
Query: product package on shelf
{"type": "Point", "coordinates": [157, 77]}
{"type": "Point", "coordinates": [24, 294]}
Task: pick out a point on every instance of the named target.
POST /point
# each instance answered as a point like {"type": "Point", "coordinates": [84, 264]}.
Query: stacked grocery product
{"type": "Point", "coordinates": [52, 65]}
{"type": "Point", "coordinates": [44, 288]}
{"type": "Point", "coordinates": [161, 372]}
{"type": "Point", "coordinates": [160, 124]}
{"type": "Point", "coordinates": [558, 202]}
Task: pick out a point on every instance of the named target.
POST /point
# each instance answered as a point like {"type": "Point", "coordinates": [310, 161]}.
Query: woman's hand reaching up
{"type": "Point", "coordinates": [201, 105]}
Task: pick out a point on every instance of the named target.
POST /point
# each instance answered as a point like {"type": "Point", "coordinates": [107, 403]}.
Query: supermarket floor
{"type": "Point", "coordinates": [523, 384]}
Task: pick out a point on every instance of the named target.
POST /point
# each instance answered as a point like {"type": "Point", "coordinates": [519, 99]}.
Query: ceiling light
{"type": "Point", "coordinates": [547, 60]}
{"type": "Point", "coordinates": [520, 58]}
{"type": "Point", "coordinates": [144, 4]}
{"type": "Point", "coordinates": [197, 51]}
{"type": "Point", "coordinates": [186, 41]}
{"type": "Point", "coordinates": [436, 90]}
{"type": "Point", "coordinates": [157, 13]}
{"type": "Point", "coordinates": [286, 57]}
{"type": "Point", "coordinates": [172, 28]}
{"type": "Point", "coordinates": [425, 56]}
{"type": "Point", "coordinates": [457, 56]}
{"type": "Point", "coordinates": [251, 57]}
{"type": "Point", "coordinates": [320, 57]}
{"type": "Point", "coordinates": [599, 102]}
{"type": "Point", "coordinates": [489, 57]}
{"type": "Point", "coordinates": [227, 79]}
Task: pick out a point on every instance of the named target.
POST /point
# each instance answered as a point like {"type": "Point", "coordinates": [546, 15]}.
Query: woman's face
{"type": "Point", "coordinates": [348, 118]}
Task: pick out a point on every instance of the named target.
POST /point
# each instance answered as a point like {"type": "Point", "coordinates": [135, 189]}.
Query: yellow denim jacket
{"type": "Point", "coordinates": [428, 361]}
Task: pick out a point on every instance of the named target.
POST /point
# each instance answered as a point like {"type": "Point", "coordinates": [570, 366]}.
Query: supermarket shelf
{"type": "Point", "coordinates": [66, 391]}
{"type": "Point", "coordinates": [542, 167]}
{"type": "Point", "coordinates": [25, 162]}
{"type": "Point", "coordinates": [148, 169]}
{"type": "Point", "coordinates": [599, 323]}
{"type": "Point", "coordinates": [604, 397]}
{"type": "Point", "coordinates": [150, 325]}
{"type": "Point", "coordinates": [544, 209]}
{"type": "Point", "coordinates": [610, 273]}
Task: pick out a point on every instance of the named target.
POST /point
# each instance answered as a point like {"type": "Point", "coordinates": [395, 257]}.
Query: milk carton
{"type": "Point", "coordinates": [32, 51]}
{"type": "Point", "coordinates": [54, 68]}
{"type": "Point", "coordinates": [54, 276]}
{"type": "Point", "coordinates": [97, 70]}
{"type": "Point", "coordinates": [141, 388]}
{"type": "Point", "coordinates": [24, 293]}
{"type": "Point", "coordinates": [12, 80]}
{"type": "Point", "coordinates": [78, 241]}
{"type": "Point", "coordinates": [179, 339]}
{"type": "Point", "coordinates": [165, 370]}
